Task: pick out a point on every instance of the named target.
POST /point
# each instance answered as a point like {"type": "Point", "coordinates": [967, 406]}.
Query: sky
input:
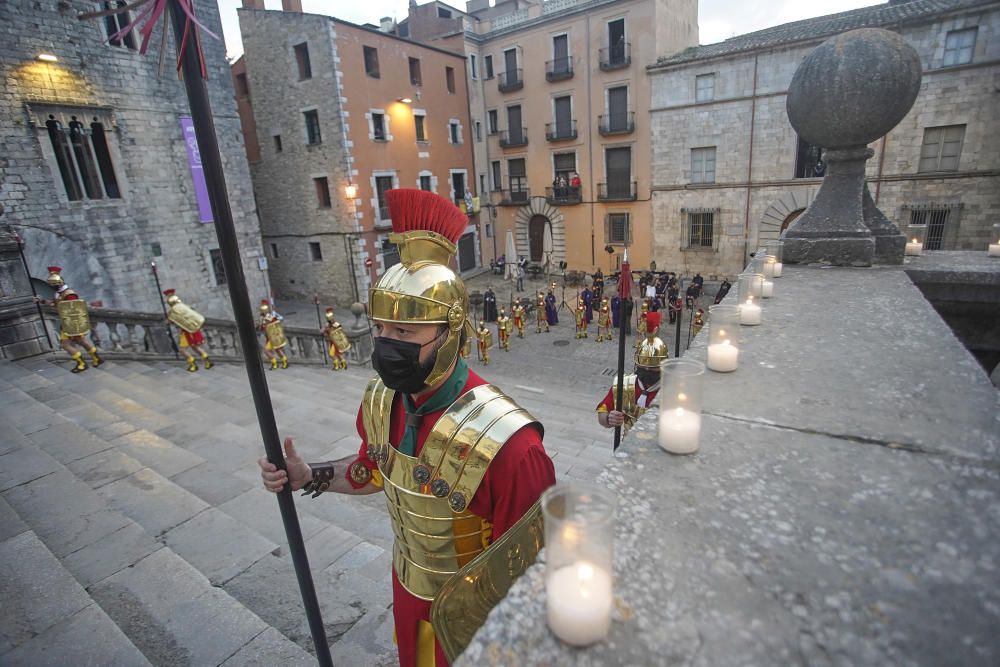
{"type": "Point", "coordinates": [717, 19]}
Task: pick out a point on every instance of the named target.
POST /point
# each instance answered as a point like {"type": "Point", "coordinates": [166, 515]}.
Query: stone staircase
{"type": "Point", "coordinates": [134, 529]}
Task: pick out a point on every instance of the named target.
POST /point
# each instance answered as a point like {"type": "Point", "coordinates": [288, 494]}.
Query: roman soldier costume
{"type": "Point", "coordinates": [517, 311]}
{"type": "Point", "coordinates": [640, 326]}
{"type": "Point", "coordinates": [485, 338]}
{"type": "Point", "coordinates": [505, 327]}
{"type": "Point", "coordinates": [698, 322]}
{"type": "Point", "coordinates": [274, 335]}
{"type": "Point", "coordinates": [74, 321]}
{"type": "Point", "coordinates": [190, 322]}
{"type": "Point", "coordinates": [459, 465]}
{"type": "Point", "coordinates": [541, 318]}
{"type": "Point", "coordinates": [581, 319]}
{"type": "Point", "coordinates": [640, 387]}
{"type": "Point", "coordinates": [335, 336]}
{"type": "Point", "coordinates": [604, 321]}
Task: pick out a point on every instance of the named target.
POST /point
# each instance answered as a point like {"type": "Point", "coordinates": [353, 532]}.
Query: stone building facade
{"type": "Point", "coordinates": [343, 113]}
{"type": "Point", "coordinates": [730, 172]}
{"type": "Point", "coordinates": [94, 164]}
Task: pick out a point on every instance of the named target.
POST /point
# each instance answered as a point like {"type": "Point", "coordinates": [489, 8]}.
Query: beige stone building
{"type": "Point", "coordinates": [730, 172]}
{"type": "Point", "coordinates": [342, 113]}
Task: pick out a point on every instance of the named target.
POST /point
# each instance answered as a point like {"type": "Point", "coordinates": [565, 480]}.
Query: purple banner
{"type": "Point", "coordinates": [197, 172]}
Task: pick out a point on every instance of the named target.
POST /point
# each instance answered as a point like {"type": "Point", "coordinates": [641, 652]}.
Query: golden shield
{"type": "Point", "coordinates": [73, 317]}
{"type": "Point", "coordinates": [275, 333]}
{"type": "Point", "coordinates": [339, 339]}
{"type": "Point", "coordinates": [186, 317]}
{"type": "Point", "coordinates": [509, 325]}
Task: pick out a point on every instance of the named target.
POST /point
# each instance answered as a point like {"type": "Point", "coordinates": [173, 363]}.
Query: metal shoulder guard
{"type": "Point", "coordinates": [628, 406]}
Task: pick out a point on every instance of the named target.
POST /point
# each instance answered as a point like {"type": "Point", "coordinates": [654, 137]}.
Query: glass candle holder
{"type": "Point", "coordinates": [723, 351]}
{"type": "Point", "coordinates": [750, 313]}
{"type": "Point", "coordinates": [750, 284]}
{"type": "Point", "coordinates": [579, 533]}
{"type": "Point", "coordinates": [680, 405]}
{"type": "Point", "coordinates": [915, 240]}
{"type": "Point", "coordinates": [777, 250]}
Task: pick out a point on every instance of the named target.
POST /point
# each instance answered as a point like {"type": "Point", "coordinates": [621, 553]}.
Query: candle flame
{"type": "Point", "coordinates": [725, 341]}
{"type": "Point", "coordinates": [585, 572]}
{"type": "Point", "coordinates": [682, 396]}
{"type": "Point", "coordinates": [914, 240]}
{"type": "Point", "coordinates": [570, 535]}
{"type": "Point", "coordinates": [679, 412]}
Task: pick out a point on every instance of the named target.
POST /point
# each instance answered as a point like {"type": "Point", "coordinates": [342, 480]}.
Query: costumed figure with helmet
{"type": "Point", "coordinates": [274, 335]}
{"type": "Point", "coordinates": [541, 318]}
{"type": "Point", "coordinates": [337, 338]}
{"type": "Point", "coordinates": [640, 387]}
{"type": "Point", "coordinates": [505, 327]}
{"type": "Point", "coordinates": [698, 322]}
{"type": "Point", "coordinates": [604, 321]}
{"type": "Point", "coordinates": [461, 464]}
{"type": "Point", "coordinates": [74, 321]}
{"type": "Point", "coordinates": [484, 338]}
{"type": "Point", "coordinates": [190, 322]}
{"type": "Point", "coordinates": [581, 318]}
{"type": "Point", "coordinates": [640, 326]}
{"type": "Point", "coordinates": [517, 311]}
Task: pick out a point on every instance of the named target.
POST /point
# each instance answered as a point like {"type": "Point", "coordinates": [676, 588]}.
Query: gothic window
{"type": "Point", "coordinates": [83, 156]}
{"type": "Point", "coordinates": [218, 270]}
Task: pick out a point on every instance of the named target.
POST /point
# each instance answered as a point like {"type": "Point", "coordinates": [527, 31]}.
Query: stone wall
{"type": "Point", "coordinates": [105, 245]}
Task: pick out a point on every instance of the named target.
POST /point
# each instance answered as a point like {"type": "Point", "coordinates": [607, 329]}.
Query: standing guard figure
{"type": "Point", "coordinates": [334, 334]}
{"type": "Point", "coordinates": [517, 310]}
{"type": "Point", "coordinates": [74, 321]}
{"type": "Point", "coordinates": [189, 321]}
{"type": "Point", "coordinates": [639, 388]}
{"type": "Point", "coordinates": [485, 338]}
{"type": "Point", "coordinates": [581, 319]}
{"type": "Point", "coordinates": [505, 326]}
{"type": "Point", "coordinates": [604, 321]}
{"type": "Point", "coordinates": [274, 333]}
{"type": "Point", "coordinates": [698, 322]}
{"type": "Point", "coordinates": [489, 305]}
{"type": "Point", "coordinates": [541, 317]}
{"type": "Point", "coordinates": [640, 326]}
{"type": "Point", "coordinates": [551, 311]}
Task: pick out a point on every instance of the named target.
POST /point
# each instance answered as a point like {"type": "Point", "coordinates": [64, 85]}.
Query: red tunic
{"type": "Point", "coordinates": [196, 338]}
{"type": "Point", "coordinates": [515, 479]}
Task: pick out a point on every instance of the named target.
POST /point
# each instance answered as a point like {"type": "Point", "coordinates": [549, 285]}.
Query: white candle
{"type": "Point", "coordinates": [769, 268]}
{"type": "Point", "coordinates": [777, 269]}
{"type": "Point", "coordinates": [914, 247]}
{"type": "Point", "coordinates": [994, 249]}
{"type": "Point", "coordinates": [750, 313]}
{"type": "Point", "coordinates": [578, 600]}
{"type": "Point", "coordinates": [768, 290]}
{"type": "Point", "coordinates": [679, 430]}
{"type": "Point", "coordinates": [723, 357]}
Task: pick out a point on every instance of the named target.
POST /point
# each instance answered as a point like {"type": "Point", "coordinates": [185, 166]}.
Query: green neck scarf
{"type": "Point", "coordinates": [442, 398]}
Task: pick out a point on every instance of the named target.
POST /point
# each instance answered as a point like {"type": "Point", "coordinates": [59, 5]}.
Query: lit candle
{"type": "Point", "coordinates": [750, 313]}
{"type": "Point", "coordinates": [767, 291]}
{"type": "Point", "coordinates": [578, 600]}
{"type": "Point", "coordinates": [723, 357]}
{"type": "Point", "coordinates": [914, 247]}
{"type": "Point", "coordinates": [777, 269]}
{"type": "Point", "coordinates": [679, 430]}
{"type": "Point", "coordinates": [994, 249]}
{"type": "Point", "coordinates": [769, 263]}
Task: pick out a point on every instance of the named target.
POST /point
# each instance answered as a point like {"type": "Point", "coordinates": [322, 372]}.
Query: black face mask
{"type": "Point", "coordinates": [647, 377]}
{"type": "Point", "coordinates": [397, 362]}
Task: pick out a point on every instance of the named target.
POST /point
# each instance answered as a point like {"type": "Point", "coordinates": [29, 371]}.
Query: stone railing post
{"type": "Point", "coordinates": [359, 333]}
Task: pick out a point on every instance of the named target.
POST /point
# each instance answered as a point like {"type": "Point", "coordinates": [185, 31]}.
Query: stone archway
{"type": "Point", "coordinates": [783, 212]}
{"type": "Point", "coordinates": [538, 208]}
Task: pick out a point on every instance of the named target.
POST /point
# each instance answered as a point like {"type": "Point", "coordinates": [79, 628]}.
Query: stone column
{"type": "Point", "coordinates": [21, 331]}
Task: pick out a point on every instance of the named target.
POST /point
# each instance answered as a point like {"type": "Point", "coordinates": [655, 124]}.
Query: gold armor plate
{"type": "Point", "coordinates": [73, 317]}
{"type": "Point", "coordinates": [631, 410]}
{"type": "Point", "coordinates": [339, 338]}
{"type": "Point", "coordinates": [186, 317]}
{"type": "Point", "coordinates": [275, 333]}
{"type": "Point", "coordinates": [487, 338]}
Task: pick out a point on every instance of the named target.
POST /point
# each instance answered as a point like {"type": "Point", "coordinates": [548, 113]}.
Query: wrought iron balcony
{"type": "Point", "coordinates": [515, 197]}
{"type": "Point", "coordinates": [559, 69]}
{"type": "Point", "coordinates": [514, 138]}
{"type": "Point", "coordinates": [616, 57]}
{"type": "Point", "coordinates": [510, 80]}
{"type": "Point", "coordinates": [616, 123]}
{"type": "Point", "coordinates": [560, 131]}
{"type": "Point", "coordinates": [617, 191]}
{"type": "Point", "coordinates": [563, 196]}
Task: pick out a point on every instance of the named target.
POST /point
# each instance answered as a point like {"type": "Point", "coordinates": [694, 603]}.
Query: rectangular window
{"type": "Point", "coordinates": [491, 121]}
{"type": "Point", "coordinates": [371, 62]}
{"type": "Point", "coordinates": [472, 66]}
{"type": "Point", "coordinates": [517, 173]}
{"type": "Point", "coordinates": [415, 71]}
{"type": "Point", "coordinates": [83, 156]}
{"type": "Point", "coordinates": [703, 165]}
{"type": "Point", "coordinates": [564, 166]}
{"type": "Point", "coordinates": [942, 148]}
{"type": "Point", "coordinates": [444, 13]}
{"type": "Point", "coordinates": [274, 251]}
{"type": "Point", "coordinates": [458, 188]}
{"type": "Point", "coordinates": [809, 160]}
{"type": "Point", "coordinates": [453, 133]}
{"type": "Point", "coordinates": [479, 131]}
{"type": "Point", "coordinates": [404, 29]}
{"type": "Point", "coordinates": [935, 221]}
{"type": "Point", "coordinates": [704, 87]}
{"type": "Point", "coordinates": [322, 191]}
{"type": "Point", "coordinates": [218, 268]}
{"type": "Point", "coordinates": [313, 135]}
{"type": "Point", "coordinates": [425, 183]}
{"type": "Point", "coordinates": [617, 228]}
{"type": "Point", "coordinates": [242, 87]}
{"type": "Point", "coordinates": [449, 76]}
{"type": "Point", "coordinates": [958, 47]}
{"type": "Point", "coordinates": [302, 60]}
{"type": "Point", "coordinates": [117, 22]}
{"type": "Point", "coordinates": [495, 174]}
{"type": "Point", "coordinates": [277, 143]}
{"type": "Point", "coordinates": [701, 227]}
{"type": "Point", "coordinates": [482, 183]}
{"type": "Point", "coordinates": [488, 67]}
{"type": "Point", "coordinates": [560, 54]}
{"type": "Point", "coordinates": [315, 252]}
{"type": "Point", "coordinates": [382, 185]}
{"type": "Point", "coordinates": [419, 125]}
{"type": "Point", "coordinates": [378, 126]}
{"type": "Point", "coordinates": [515, 131]}
{"type": "Point", "coordinates": [618, 168]}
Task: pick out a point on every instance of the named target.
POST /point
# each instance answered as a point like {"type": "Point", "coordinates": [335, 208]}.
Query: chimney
{"type": "Point", "coordinates": [253, 4]}
{"type": "Point", "coordinates": [291, 6]}
{"type": "Point", "coordinates": [473, 6]}
{"type": "Point", "coordinates": [387, 24]}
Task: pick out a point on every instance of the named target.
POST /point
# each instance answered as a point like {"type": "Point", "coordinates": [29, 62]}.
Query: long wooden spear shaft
{"type": "Point", "coordinates": [204, 127]}
{"type": "Point", "coordinates": [624, 293]}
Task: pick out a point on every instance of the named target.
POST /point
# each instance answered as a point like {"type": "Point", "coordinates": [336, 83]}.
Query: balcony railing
{"type": "Point", "coordinates": [560, 131]}
{"type": "Point", "coordinates": [510, 80]}
{"type": "Point", "coordinates": [616, 57]}
{"type": "Point", "coordinates": [617, 191]}
{"type": "Point", "coordinates": [559, 69]}
{"type": "Point", "coordinates": [563, 196]}
{"type": "Point", "coordinates": [515, 197]}
{"type": "Point", "coordinates": [513, 138]}
{"type": "Point", "coordinates": [616, 123]}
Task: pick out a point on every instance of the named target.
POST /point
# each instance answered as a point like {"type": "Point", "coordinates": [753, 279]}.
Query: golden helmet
{"type": "Point", "coordinates": [652, 350]}
{"type": "Point", "coordinates": [54, 279]}
{"type": "Point", "coordinates": [423, 288]}
{"type": "Point", "coordinates": [503, 313]}
{"type": "Point", "coordinates": [172, 298]}
{"type": "Point", "coordinates": [645, 306]}
{"type": "Point", "coordinates": [265, 307]}
{"type": "Point", "coordinates": [604, 301]}
{"type": "Point", "coordinates": [329, 316]}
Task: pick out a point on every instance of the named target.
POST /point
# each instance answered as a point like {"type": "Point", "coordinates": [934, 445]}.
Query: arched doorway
{"type": "Point", "coordinates": [791, 217]}
{"type": "Point", "coordinates": [536, 236]}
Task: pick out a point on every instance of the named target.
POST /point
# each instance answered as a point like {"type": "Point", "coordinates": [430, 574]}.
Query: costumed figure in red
{"type": "Point", "coordinates": [640, 387]}
{"type": "Point", "coordinates": [74, 321]}
{"type": "Point", "coordinates": [334, 334]}
{"type": "Point", "coordinates": [274, 335]}
{"type": "Point", "coordinates": [190, 322]}
{"type": "Point", "coordinates": [517, 310]}
{"type": "Point", "coordinates": [604, 321]}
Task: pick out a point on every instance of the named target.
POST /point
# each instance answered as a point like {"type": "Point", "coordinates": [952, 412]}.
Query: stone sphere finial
{"type": "Point", "coordinates": [854, 88]}
{"type": "Point", "coordinates": [357, 309]}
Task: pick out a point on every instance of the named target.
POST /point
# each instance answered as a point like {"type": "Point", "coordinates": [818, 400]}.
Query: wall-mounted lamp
{"type": "Point", "coordinates": [47, 57]}
{"type": "Point", "coordinates": [351, 190]}
{"type": "Point", "coordinates": [404, 100]}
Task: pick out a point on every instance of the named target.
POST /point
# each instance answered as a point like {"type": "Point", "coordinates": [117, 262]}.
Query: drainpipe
{"type": "Point", "coordinates": [753, 114]}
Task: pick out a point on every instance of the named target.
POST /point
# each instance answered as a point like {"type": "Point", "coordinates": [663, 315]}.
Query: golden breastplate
{"type": "Point", "coordinates": [629, 407]}
{"type": "Point", "coordinates": [427, 496]}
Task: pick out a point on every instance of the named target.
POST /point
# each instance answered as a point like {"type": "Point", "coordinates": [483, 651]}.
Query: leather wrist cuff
{"type": "Point", "coordinates": [322, 477]}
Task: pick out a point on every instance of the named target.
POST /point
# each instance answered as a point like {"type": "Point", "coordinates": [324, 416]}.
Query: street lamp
{"type": "Point", "coordinates": [47, 58]}
{"type": "Point", "coordinates": [350, 191]}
